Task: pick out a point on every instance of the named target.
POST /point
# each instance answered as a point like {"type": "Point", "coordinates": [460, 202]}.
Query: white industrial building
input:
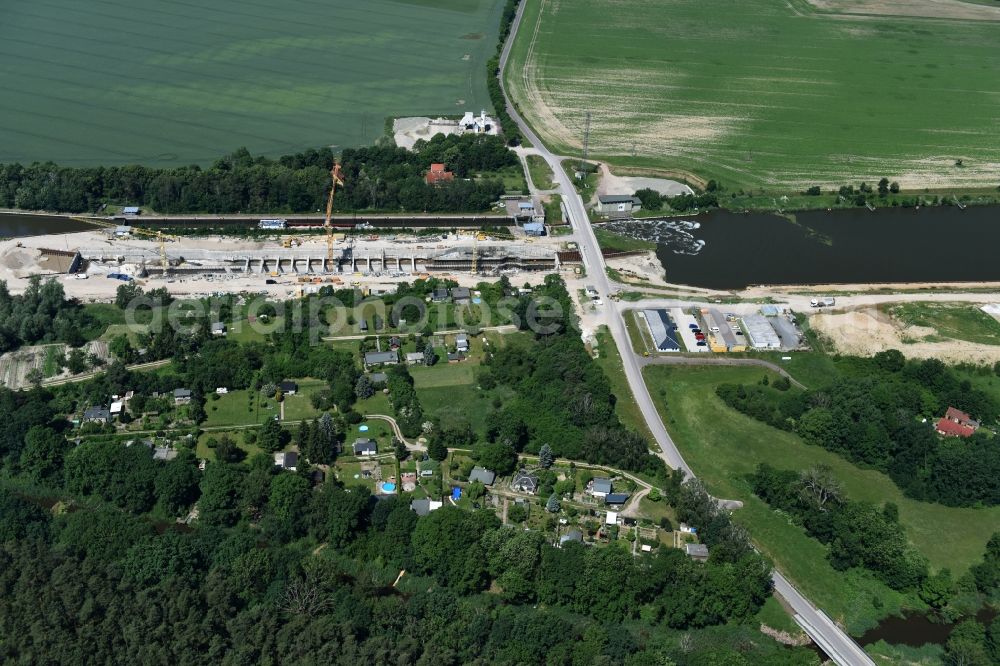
{"type": "Point", "coordinates": [481, 124]}
{"type": "Point", "coordinates": [760, 333]}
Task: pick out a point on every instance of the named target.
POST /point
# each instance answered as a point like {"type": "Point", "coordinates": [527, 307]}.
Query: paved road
{"type": "Point", "coordinates": [834, 641]}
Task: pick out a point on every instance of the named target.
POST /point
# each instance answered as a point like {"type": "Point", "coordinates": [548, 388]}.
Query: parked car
{"type": "Point", "coordinates": [702, 343]}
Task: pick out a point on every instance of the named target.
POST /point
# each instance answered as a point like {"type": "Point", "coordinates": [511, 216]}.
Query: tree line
{"type": "Point", "coordinates": [858, 534]}
{"type": "Point", "coordinates": [873, 415]}
{"type": "Point", "coordinates": [377, 178]}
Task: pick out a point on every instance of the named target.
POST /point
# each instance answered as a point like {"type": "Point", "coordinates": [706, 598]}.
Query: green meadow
{"type": "Point", "coordinates": [768, 94]}
{"type": "Point", "coordinates": [723, 446]}
{"type": "Point", "coordinates": [163, 82]}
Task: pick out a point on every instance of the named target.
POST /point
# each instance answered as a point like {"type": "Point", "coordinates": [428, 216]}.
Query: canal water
{"type": "Point", "coordinates": [18, 226]}
{"type": "Point", "coordinates": [726, 250]}
{"type": "Point", "coordinates": [917, 630]}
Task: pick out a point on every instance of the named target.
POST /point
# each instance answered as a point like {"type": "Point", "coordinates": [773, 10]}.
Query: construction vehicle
{"type": "Point", "coordinates": [160, 237]}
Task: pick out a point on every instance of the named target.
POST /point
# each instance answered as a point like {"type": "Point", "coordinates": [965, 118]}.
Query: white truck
{"type": "Point", "coordinates": [825, 302]}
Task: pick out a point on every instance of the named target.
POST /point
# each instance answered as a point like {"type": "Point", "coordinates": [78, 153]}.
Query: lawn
{"type": "Point", "coordinates": [442, 374]}
{"type": "Point", "coordinates": [957, 321]}
{"type": "Point", "coordinates": [610, 362]}
{"type": "Point", "coordinates": [232, 409]}
{"type": "Point", "coordinates": [723, 446]}
{"type": "Point", "coordinates": [764, 94]}
{"type": "Point", "coordinates": [616, 243]}
{"type": "Point", "coordinates": [169, 83]}
{"type": "Point", "coordinates": [541, 173]}
{"type": "Point", "coordinates": [202, 449]}
{"type": "Point", "coordinates": [298, 406]}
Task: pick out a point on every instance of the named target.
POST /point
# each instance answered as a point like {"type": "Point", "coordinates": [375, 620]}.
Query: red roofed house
{"type": "Point", "coordinates": [956, 423]}
{"type": "Point", "coordinates": [437, 174]}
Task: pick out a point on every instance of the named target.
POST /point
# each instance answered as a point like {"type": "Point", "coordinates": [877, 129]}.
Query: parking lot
{"type": "Point", "coordinates": [684, 322]}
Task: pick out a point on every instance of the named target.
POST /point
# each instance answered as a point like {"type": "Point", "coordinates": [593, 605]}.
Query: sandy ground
{"type": "Point", "coordinates": [19, 259]}
{"type": "Point", "coordinates": [640, 270]}
{"type": "Point", "coordinates": [612, 184]}
{"type": "Point", "coordinates": [868, 330]}
{"type": "Point", "coordinates": [952, 9]}
{"type": "Point", "coordinates": [406, 131]}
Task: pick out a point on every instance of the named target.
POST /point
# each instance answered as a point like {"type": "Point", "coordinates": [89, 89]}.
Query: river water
{"type": "Point", "coordinates": [726, 250]}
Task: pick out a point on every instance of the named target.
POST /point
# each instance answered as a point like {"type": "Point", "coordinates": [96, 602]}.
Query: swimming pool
{"type": "Point", "coordinates": [388, 487]}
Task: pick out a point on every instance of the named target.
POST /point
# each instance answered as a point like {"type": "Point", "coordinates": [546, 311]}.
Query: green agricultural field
{"type": "Point", "coordinates": [163, 82]}
{"type": "Point", "coordinates": [760, 93]}
{"type": "Point", "coordinates": [723, 446]}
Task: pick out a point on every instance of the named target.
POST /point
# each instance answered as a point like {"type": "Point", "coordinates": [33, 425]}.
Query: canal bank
{"type": "Point", "coordinates": [15, 224]}
{"type": "Point", "coordinates": [724, 250]}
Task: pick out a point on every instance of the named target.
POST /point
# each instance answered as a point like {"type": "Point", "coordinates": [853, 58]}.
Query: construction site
{"type": "Point", "coordinates": [290, 262]}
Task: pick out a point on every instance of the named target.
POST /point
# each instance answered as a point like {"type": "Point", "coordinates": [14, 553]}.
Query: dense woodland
{"type": "Point", "coordinates": [41, 314]}
{"type": "Point", "coordinates": [377, 178]}
{"type": "Point", "coordinates": [873, 415]}
{"type": "Point", "coordinates": [281, 568]}
{"type": "Point", "coordinates": [563, 399]}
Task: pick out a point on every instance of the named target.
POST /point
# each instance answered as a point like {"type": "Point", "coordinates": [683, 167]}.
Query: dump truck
{"type": "Point", "coordinates": [824, 302]}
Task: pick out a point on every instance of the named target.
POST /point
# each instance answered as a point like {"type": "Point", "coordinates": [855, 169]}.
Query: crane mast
{"type": "Point", "coordinates": [336, 178]}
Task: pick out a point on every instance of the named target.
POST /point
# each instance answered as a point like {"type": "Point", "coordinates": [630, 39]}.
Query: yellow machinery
{"type": "Point", "coordinates": [336, 178]}
{"type": "Point", "coordinates": [161, 237]}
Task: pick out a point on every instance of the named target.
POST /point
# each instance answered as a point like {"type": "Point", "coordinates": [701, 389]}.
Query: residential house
{"type": "Point", "coordinates": [600, 487]}
{"type": "Point", "coordinates": [423, 507]}
{"type": "Point", "coordinates": [696, 551]}
{"type": "Point", "coordinates": [286, 460]}
{"type": "Point", "coordinates": [317, 476]}
{"type": "Point", "coordinates": [956, 423]}
{"type": "Point", "coordinates": [482, 475]}
{"type": "Point", "coordinates": [440, 295]}
{"type": "Point", "coordinates": [164, 453]}
{"type": "Point", "coordinates": [414, 358]}
{"type": "Point", "coordinates": [381, 358]}
{"type": "Point", "coordinates": [438, 174]}
{"type": "Point", "coordinates": [97, 415]}
{"type": "Point", "coordinates": [616, 499]}
{"type": "Point", "coordinates": [572, 535]}
{"type": "Point", "coordinates": [365, 447]}
{"type": "Point", "coordinates": [288, 388]}
{"type": "Point", "coordinates": [523, 482]}
{"type": "Point", "coordinates": [182, 396]}
{"type": "Point", "coordinates": [462, 295]}
{"type": "Point", "coordinates": [462, 342]}
{"type": "Point", "coordinates": [218, 328]}
{"type": "Point", "coordinates": [395, 342]}
{"type": "Point", "coordinates": [116, 407]}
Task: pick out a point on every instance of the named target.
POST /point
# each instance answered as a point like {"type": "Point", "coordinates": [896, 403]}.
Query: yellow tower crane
{"type": "Point", "coordinates": [160, 237]}
{"type": "Point", "coordinates": [336, 178]}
